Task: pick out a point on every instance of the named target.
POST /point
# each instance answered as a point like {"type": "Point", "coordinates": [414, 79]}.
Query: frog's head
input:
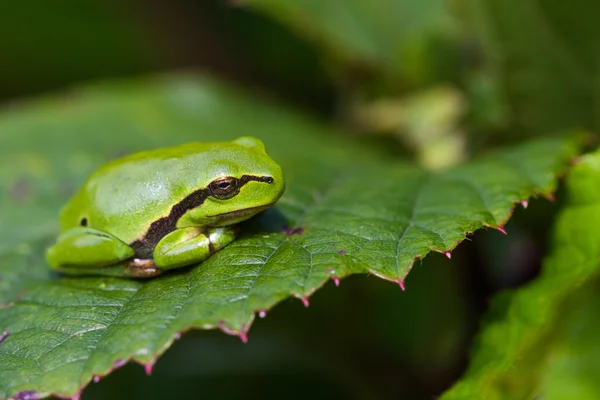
{"type": "Point", "coordinates": [243, 181]}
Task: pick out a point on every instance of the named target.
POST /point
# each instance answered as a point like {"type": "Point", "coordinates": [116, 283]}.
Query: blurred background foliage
{"type": "Point", "coordinates": [437, 80]}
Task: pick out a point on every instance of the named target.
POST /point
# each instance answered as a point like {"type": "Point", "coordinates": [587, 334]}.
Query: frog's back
{"type": "Point", "coordinates": [124, 196]}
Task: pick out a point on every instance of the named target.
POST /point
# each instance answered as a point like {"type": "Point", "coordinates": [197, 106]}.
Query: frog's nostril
{"type": "Point", "coordinates": [83, 221]}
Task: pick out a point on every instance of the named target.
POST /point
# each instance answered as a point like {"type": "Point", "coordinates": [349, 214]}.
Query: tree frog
{"type": "Point", "coordinates": [157, 210]}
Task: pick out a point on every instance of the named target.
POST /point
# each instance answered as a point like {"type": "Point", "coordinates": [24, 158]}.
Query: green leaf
{"type": "Point", "coordinates": [348, 208]}
{"type": "Point", "coordinates": [517, 355]}
{"type": "Point", "coordinates": [571, 370]}
{"type": "Point", "coordinates": [392, 37]}
{"type": "Point", "coordinates": [544, 55]}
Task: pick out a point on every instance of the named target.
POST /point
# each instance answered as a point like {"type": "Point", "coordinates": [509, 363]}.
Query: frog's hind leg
{"type": "Point", "coordinates": [186, 246]}
{"type": "Point", "coordinates": [88, 251]}
{"type": "Point", "coordinates": [136, 268]}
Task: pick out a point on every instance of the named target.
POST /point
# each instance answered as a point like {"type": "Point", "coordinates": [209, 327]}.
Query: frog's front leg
{"type": "Point", "coordinates": [86, 251]}
{"type": "Point", "coordinates": [186, 246]}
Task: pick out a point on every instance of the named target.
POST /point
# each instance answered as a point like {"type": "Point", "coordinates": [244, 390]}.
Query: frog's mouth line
{"type": "Point", "coordinates": [234, 215]}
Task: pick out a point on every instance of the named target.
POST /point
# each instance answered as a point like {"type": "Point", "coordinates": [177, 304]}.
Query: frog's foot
{"type": "Point", "coordinates": [88, 251]}
{"type": "Point", "coordinates": [142, 268]}
{"type": "Point", "coordinates": [190, 245]}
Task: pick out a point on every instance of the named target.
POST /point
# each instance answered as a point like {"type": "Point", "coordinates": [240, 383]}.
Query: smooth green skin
{"type": "Point", "coordinates": [122, 200]}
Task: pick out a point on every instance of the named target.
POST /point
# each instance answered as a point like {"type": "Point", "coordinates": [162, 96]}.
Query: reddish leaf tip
{"type": "Point", "coordinates": [448, 255]}
{"type": "Point", "coordinates": [119, 363]}
{"type": "Point", "coordinates": [501, 230]}
{"type": "Point", "coordinates": [3, 336]}
{"type": "Point", "coordinates": [242, 334]}
{"type": "Point", "coordinates": [76, 396]}
{"type": "Point", "coordinates": [342, 252]}
{"type": "Point", "coordinates": [524, 203]}
{"type": "Point", "coordinates": [148, 367]}
{"type": "Point", "coordinates": [335, 279]}
{"type": "Point", "coordinates": [292, 231]}
{"type": "Point", "coordinates": [550, 197]}
{"type": "Point", "coordinates": [28, 395]}
{"type": "Point", "coordinates": [96, 378]}
{"type": "Point", "coordinates": [304, 301]}
{"type": "Point", "coordinates": [262, 313]}
{"type": "Point", "coordinates": [401, 284]}
{"type": "Point", "coordinates": [177, 335]}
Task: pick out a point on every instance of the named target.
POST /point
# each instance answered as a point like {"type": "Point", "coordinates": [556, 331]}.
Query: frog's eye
{"type": "Point", "coordinates": [224, 188]}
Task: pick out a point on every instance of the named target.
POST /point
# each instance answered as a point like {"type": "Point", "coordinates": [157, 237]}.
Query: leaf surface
{"type": "Point", "coordinates": [348, 208]}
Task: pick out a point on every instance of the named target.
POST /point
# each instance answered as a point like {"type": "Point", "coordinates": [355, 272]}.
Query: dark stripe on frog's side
{"type": "Point", "coordinates": [158, 229]}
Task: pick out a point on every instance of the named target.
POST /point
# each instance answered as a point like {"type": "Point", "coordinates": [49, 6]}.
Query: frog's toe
{"type": "Point", "coordinates": [142, 268]}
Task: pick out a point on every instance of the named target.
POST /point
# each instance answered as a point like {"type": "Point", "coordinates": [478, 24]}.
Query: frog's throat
{"type": "Point", "coordinates": [236, 216]}
{"type": "Point", "coordinates": [144, 246]}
